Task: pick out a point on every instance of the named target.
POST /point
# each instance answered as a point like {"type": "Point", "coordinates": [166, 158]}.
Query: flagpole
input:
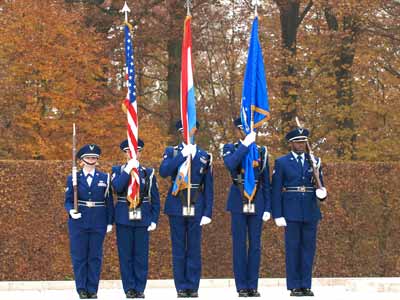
{"type": "Point", "coordinates": [188, 4]}
{"type": "Point", "coordinates": [130, 108]}
{"type": "Point", "coordinates": [255, 3]}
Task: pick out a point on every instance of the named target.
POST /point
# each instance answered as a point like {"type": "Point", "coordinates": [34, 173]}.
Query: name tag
{"type": "Point", "coordinates": [101, 184]}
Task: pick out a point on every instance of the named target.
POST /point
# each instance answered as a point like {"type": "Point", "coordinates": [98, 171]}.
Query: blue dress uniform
{"type": "Point", "coordinates": [133, 235]}
{"type": "Point", "coordinates": [293, 197]}
{"type": "Point", "coordinates": [95, 203]}
{"type": "Point", "coordinates": [186, 231]}
{"type": "Point", "coordinates": [246, 228]}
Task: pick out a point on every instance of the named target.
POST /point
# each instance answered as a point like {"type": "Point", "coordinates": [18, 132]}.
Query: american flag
{"type": "Point", "coordinates": [130, 105]}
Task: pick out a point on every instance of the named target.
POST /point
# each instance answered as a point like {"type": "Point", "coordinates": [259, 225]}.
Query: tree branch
{"type": "Point", "coordinates": [162, 116]}
{"type": "Point", "coordinates": [305, 11]}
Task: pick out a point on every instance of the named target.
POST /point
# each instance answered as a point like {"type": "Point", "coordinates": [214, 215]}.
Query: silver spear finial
{"type": "Point", "coordinates": [188, 5]}
{"type": "Point", "coordinates": [256, 3]}
{"type": "Point", "coordinates": [125, 10]}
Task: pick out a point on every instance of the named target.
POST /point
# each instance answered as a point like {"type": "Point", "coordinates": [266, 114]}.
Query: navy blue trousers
{"type": "Point", "coordinates": [186, 252]}
{"type": "Point", "coordinates": [246, 246]}
{"type": "Point", "coordinates": [300, 246]}
{"type": "Point", "coordinates": [133, 252]}
{"type": "Point", "coordinates": [86, 246]}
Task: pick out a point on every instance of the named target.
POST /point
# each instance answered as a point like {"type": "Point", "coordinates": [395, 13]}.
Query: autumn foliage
{"type": "Point", "coordinates": [335, 64]}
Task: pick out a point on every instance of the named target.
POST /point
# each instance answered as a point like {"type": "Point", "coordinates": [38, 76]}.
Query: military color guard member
{"type": "Point", "coordinates": [133, 234]}
{"type": "Point", "coordinates": [186, 230]}
{"type": "Point", "coordinates": [295, 206]}
{"type": "Point", "coordinates": [87, 228]}
{"type": "Point", "coordinates": [246, 226]}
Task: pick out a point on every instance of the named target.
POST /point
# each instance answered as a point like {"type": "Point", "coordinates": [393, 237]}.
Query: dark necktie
{"type": "Point", "coordinates": [299, 162]}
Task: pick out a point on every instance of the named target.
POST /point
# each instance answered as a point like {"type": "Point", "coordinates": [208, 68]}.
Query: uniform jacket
{"type": "Point", "coordinates": [201, 172]}
{"type": "Point", "coordinates": [99, 191]}
{"type": "Point", "coordinates": [233, 155]}
{"type": "Point", "coordinates": [150, 207]}
{"type": "Point", "coordinates": [294, 206]}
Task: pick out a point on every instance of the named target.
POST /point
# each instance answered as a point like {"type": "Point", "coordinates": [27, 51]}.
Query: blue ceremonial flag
{"type": "Point", "coordinates": [255, 107]}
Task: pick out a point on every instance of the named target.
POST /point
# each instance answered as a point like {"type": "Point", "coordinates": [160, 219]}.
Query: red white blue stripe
{"type": "Point", "coordinates": [188, 102]}
{"type": "Point", "coordinates": [188, 105]}
{"type": "Point", "coordinates": [130, 104]}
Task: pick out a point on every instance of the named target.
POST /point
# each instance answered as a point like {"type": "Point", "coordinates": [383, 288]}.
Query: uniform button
{"type": "Point", "coordinates": [90, 193]}
{"type": "Point", "coordinates": [303, 177]}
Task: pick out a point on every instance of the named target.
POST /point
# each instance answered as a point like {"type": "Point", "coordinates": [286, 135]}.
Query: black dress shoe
{"type": "Point", "coordinates": [130, 294]}
{"type": "Point", "coordinates": [83, 294]}
{"type": "Point", "coordinates": [253, 293]}
{"type": "Point", "coordinates": [296, 292]}
{"type": "Point", "coordinates": [182, 294]}
{"type": "Point", "coordinates": [92, 295]}
{"type": "Point", "coordinates": [139, 295]}
{"type": "Point", "coordinates": [308, 292]}
{"type": "Point", "coordinates": [243, 293]}
{"type": "Point", "coordinates": [192, 294]}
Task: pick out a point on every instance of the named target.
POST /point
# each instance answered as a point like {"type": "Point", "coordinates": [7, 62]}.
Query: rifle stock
{"type": "Point", "coordinates": [74, 169]}
{"type": "Point", "coordinates": [314, 166]}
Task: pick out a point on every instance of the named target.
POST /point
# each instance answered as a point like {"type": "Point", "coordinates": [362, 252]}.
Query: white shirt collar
{"type": "Point", "coordinates": [295, 155]}
{"type": "Point", "coordinates": [91, 173]}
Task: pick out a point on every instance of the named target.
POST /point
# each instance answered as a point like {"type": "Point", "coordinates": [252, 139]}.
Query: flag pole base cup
{"type": "Point", "coordinates": [249, 208]}
{"type": "Point", "coordinates": [135, 214]}
{"type": "Point", "coordinates": [188, 211]}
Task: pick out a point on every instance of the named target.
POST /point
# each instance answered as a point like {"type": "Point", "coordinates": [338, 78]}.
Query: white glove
{"type": "Point", "coordinates": [75, 215]}
{"type": "Point", "coordinates": [132, 163]}
{"type": "Point", "coordinates": [109, 228]}
{"type": "Point", "coordinates": [280, 222]}
{"type": "Point", "coordinates": [205, 220]}
{"type": "Point", "coordinates": [193, 150]}
{"type": "Point", "coordinates": [250, 138]}
{"type": "Point", "coordinates": [266, 216]}
{"type": "Point", "coordinates": [321, 193]}
{"type": "Point", "coordinates": [152, 226]}
{"type": "Point", "coordinates": [186, 150]}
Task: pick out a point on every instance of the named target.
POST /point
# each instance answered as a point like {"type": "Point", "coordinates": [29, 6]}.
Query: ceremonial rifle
{"type": "Point", "coordinates": [321, 191]}
{"type": "Point", "coordinates": [74, 169]}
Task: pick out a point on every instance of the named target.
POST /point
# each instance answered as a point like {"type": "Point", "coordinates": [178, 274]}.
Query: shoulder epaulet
{"type": "Point", "coordinates": [264, 153]}
{"type": "Point", "coordinates": [227, 149]}
{"type": "Point", "coordinates": [176, 149]}
{"type": "Point", "coordinates": [210, 160]}
{"type": "Point", "coordinates": [170, 151]}
{"type": "Point", "coordinates": [149, 177]}
{"type": "Point", "coordinates": [108, 185]}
